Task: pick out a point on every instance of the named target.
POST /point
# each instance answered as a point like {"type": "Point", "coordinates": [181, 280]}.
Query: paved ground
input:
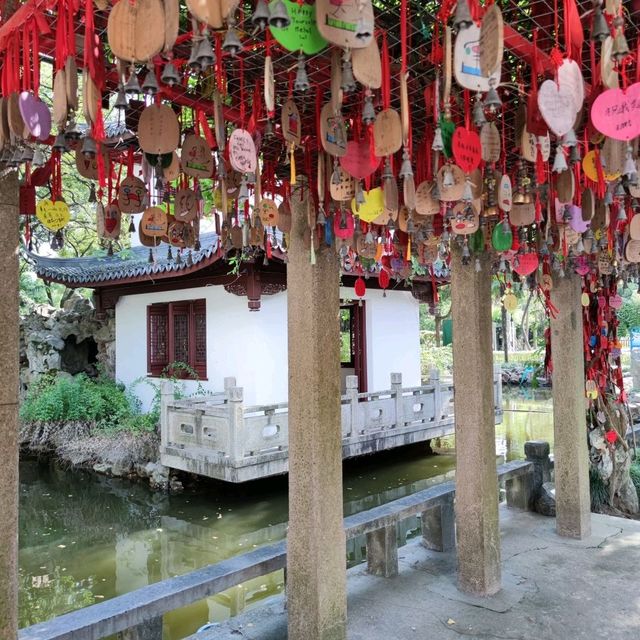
{"type": "Point", "coordinates": [553, 589]}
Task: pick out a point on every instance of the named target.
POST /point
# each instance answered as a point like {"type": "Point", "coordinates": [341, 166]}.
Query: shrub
{"type": "Point", "coordinates": [440, 358]}
{"type": "Point", "coordinates": [99, 401]}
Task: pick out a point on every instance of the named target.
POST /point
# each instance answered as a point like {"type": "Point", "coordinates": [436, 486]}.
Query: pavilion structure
{"type": "Point", "coordinates": [390, 138]}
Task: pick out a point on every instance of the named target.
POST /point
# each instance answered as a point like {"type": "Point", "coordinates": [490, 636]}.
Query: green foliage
{"type": "Point", "coordinates": [100, 401]}
{"type": "Point", "coordinates": [634, 472]}
{"type": "Point", "coordinates": [629, 314]}
{"type": "Point", "coordinates": [440, 358]}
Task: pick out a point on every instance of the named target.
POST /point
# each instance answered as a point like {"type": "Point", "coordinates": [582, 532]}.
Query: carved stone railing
{"type": "Point", "coordinates": [221, 437]}
{"type": "Point", "coordinates": [140, 612]}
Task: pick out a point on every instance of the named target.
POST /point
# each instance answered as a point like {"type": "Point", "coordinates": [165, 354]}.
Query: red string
{"type": "Point", "coordinates": [404, 40]}
{"type": "Point", "coordinates": [243, 98]}
{"type": "Point", "coordinates": [386, 73]}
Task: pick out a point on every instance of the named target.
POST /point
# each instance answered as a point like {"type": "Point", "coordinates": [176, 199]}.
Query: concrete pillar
{"type": "Point", "coordinates": [9, 382]}
{"type": "Point", "coordinates": [573, 502]}
{"type": "Point", "coordinates": [476, 502]}
{"type": "Point", "coordinates": [382, 551]}
{"type": "Point", "coordinates": [316, 562]}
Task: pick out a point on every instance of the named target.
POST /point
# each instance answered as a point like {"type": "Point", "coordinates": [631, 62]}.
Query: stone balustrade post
{"type": "Point", "coordinates": [229, 383]}
{"type": "Point", "coordinates": [382, 551]}
{"type": "Point", "coordinates": [434, 381]}
{"type": "Point", "coordinates": [497, 382]}
{"type": "Point", "coordinates": [351, 385]}
{"type": "Point", "coordinates": [235, 400]}
{"type": "Point", "coordinates": [167, 395]}
{"type": "Point", "coordinates": [396, 391]}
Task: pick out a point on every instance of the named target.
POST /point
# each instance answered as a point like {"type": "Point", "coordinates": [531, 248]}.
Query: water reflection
{"type": "Point", "coordinates": [84, 538]}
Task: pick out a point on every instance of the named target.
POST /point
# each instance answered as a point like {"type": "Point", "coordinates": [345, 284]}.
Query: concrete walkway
{"type": "Point", "coordinates": [553, 589]}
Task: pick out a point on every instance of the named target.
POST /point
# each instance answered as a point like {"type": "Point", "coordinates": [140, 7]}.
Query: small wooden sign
{"type": "Point", "coordinates": [196, 158]}
{"type": "Point", "coordinates": [465, 219]}
{"type": "Point", "coordinates": [135, 31]}
{"type": "Point", "coordinates": [158, 129]}
{"type": "Point", "coordinates": [457, 179]}
{"type": "Point", "coordinates": [284, 217]}
{"type": "Point", "coordinates": [632, 251]}
{"type": "Point", "coordinates": [269, 85]}
{"type": "Point", "coordinates": [491, 40]}
{"type": "Point", "coordinates": [505, 193]}
{"type": "Point", "coordinates": [112, 221]}
{"type": "Point", "coordinates": [185, 206]}
{"type": "Point", "coordinates": [570, 76]}
{"type": "Point", "coordinates": [171, 23]}
{"type": "Point", "coordinates": [212, 12]}
{"type": "Point", "coordinates": [522, 215]}
{"type": "Point", "coordinates": [16, 123]}
{"type": "Point", "coordinates": [333, 131]}
{"type": "Point", "coordinates": [343, 190]}
{"type": "Point", "coordinates": [587, 201]}
{"type": "Point", "coordinates": [302, 34]}
{"type": "Point", "coordinates": [367, 67]}
{"type": "Point", "coordinates": [387, 133]}
{"type": "Point", "coordinates": [154, 222]}
{"type": "Point", "coordinates": [358, 161]}
{"type": "Point", "coordinates": [35, 115]}
{"type": "Point", "coordinates": [426, 204]}
{"type": "Point", "coordinates": [88, 167]}
{"type": "Point", "coordinates": [242, 151]}
{"type": "Point", "coordinates": [610, 77]}
{"type": "Point", "coordinates": [132, 195]}
{"type": "Point", "coordinates": [565, 186]}
{"type": "Point", "coordinates": [291, 124]}
{"type": "Point", "coordinates": [557, 106]}
{"type": "Point", "coordinates": [613, 154]}
{"type": "Point", "coordinates": [60, 107]}
{"type": "Point", "coordinates": [372, 207]}
{"type": "Point", "coordinates": [173, 170]}
{"type": "Point", "coordinates": [589, 166]}
{"type": "Point", "coordinates": [466, 61]}
{"type": "Point", "coordinates": [529, 146]}
{"type": "Point", "coordinates": [634, 227]}
{"type": "Point", "coordinates": [344, 22]}
{"type": "Point", "coordinates": [490, 142]}
{"type": "Point", "coordinates": [525, 264]}
{"type": "Point", "coordinates": [336, 80]}
{"type": "Point", "coordinates": [267, 211]}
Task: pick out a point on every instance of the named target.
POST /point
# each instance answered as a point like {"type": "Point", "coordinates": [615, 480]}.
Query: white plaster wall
{"type": "Point", "coordinates": [393, 337]}
{"type": "Point", "coordinates": [251, 346]}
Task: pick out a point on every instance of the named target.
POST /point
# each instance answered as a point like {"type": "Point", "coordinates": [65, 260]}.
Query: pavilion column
{"type": "Point", "coordinates": [476, 501]}
{"type": "Point", "coordinates": [316, 562]}
{"type": "Point", "coordinates": [573, 500]}
{"type": "Point", "coordinates": [9, 340]}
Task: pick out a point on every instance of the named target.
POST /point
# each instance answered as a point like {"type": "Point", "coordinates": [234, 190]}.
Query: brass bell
{"type": "Point", "coordinates": [462, 18]}
{"type": "Point", "coordinates": [89, 148]}
{"type": "Point", "coordinates": [599, 28]}
{"type": "Point", "coordinates": [269, 133]}
{"type": "Point", "coordinates": [387, 174]}
{"type": "Point", "coordinates": [620, 49]}
{"type": "Point", "coordinates": [150, 84]}
{"type": "Point", "coordinates": [232, 44]}
{"type": "Point", "coordinates": [368, 110]}
{"type": "Point", "coordinates": [492, 102]}
{"type": "Point", "coordinates": [72, 133]}
{"type": "Point", "coordinates": [405, 168]}
{"type": "Point", "coordinates": [301, 83]}
{"type": "Point", "coordinates": [60, 143]}
{"type": "Point", "coordinates": [132, 88]}
{"type": "Point", "coordinates": [170, 75]}
{"type": "Point", "coordinates": [121, 102]}
{"type": "Point", "coordinates": [193, 63]}
{"type": "Point", "coordinates": [519, 197]}
{"type": "Point", "coordinates": [348, 83]}
{"type": "Point", "coordinates": [279, 16]}
{"type": "Point", "coordinates": [206, 56]}
{"type": "Point", "coordinates": [260, 16]}
{"type": "Point", "coordinates": [27, 155]}
{"type": "Point", "coordinates": [38, 158]}
{"type": "Point", "coordinates": [438, 143]}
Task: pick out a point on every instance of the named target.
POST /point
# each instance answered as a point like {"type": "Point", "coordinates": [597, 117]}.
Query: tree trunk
{"type": "Point", "coordinates": [505, 339]}
{"type": "Point", "coordinates": [438, 320]}
{"type": "Point", "coordinates": [524, 325]}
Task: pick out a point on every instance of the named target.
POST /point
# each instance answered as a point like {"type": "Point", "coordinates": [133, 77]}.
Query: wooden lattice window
{"type": "Point", "coordinates": [177, 333]}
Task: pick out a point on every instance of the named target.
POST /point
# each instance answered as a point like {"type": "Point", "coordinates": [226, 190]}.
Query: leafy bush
{"type": "Point", "coordinates": [634, 472]}
{"type": "Point", "coordinates": [440, 358]}
{"type": "Point", "coordinates": [599, 491]}
{"type": "Point", "coordinates": [100, 401]}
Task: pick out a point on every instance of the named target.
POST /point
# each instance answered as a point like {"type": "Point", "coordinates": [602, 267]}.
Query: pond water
{"type": "Point", "coordinates": [85, 538]}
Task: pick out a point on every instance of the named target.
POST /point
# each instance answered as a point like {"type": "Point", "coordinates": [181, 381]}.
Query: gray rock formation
{"type": "Point", "coordinates": [70, 340]}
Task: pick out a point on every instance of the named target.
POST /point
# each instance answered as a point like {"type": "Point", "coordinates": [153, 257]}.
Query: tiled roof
{"type": "Point", "coordinates": [131, 263]}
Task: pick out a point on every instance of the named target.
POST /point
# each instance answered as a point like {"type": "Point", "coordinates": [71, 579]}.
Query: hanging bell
{"type": "Point", "coordinates": [269, 133]}
{"type": "Point", "coordinates": [405, 168]}
{"type": "Point", "coordinates": [38, 158]}
{"type": "Point", "coordinates": [169, 254]}
{"type": "Point", "coordinates": [193, 63]}
{"type": "Point", "coordinates": [301, 83]}
{"type": "Point", "coordinates": [368, 110]}
{"type": "Point", "coordinates": [60, 143]}
{"type": "Point", "coordinates": [411, 227]}
{"type": "Point", "coordinates": [387, 174]}
{"type": "Point", "coordinates": [608, 197]}
{"type": "Point", "coordinates": [27, 155]}
{"type": "Point", "coordinates": [348, 83]}
{"type": "Point", "coordinates": [574, 155]}
{"type": "Point", "coordinates": [569, 139]}
{"type": "Point", "coordinates": [232, 44]}
{"type": "Point", "coordinates": [150, 83]}
{"type": "Point", "coordinates": [438, 143]}
{"type": "Point", "coordinates": [321, 218]}
{"type": "Point", "coordinates": [467, 194]}
{"type": "Point", "coordinates": [243, 192]}
{"type": "Point", "coordinates": [619, 192]}
{"type": "Point", "coordinates": [620, 49]}
{"type": "Point", "coordinates": [359, 195]}
{"type": "Point", "coordinates": [559, 162]}
{"type": "Point", "coordinates": [364, 29]}
{"type": "Point", "coordinates": [260, 16]}
{"type": "Point", "coordinates": [16, 158]}
{"type": "Point", "coordinates": [599, 28]}
{"type": "Point", "coordinates": [462, 18]}
{"type": "Point", "coordinates": [336, 178]}
{"type": "Point", "coordinates": [205, 55]}
{"type": "Point", "coordinates": [492, 102]}
{"type": "Point", "coordinates": [448, 180]}
{"type": "Point", "coordinates": [122, 101]}
{"type": "Point", "coordinates": [170, 75]}
{"type": "Point", "coordinates": [622, 213]}
{"type": "Point", "coordinates": [278, 15]}
{"type": "Point", "coordinates": [478, 113]}
{"type": "Point", "coordinates": [92, 193]}
{"type": "Point", "coordinates": [89, 148]}
{"type": "Point", "coordinates": [72, 133]}
{"type": "Point", "coordinates": [132, 88]}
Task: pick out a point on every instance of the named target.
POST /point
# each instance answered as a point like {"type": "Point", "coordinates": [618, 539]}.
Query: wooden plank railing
{"type": "Point", "coordinates": [434, 505]}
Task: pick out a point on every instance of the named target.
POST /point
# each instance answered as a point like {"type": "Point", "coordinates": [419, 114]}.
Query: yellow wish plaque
{"type": "Point", "coordinates": [53, 215]}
